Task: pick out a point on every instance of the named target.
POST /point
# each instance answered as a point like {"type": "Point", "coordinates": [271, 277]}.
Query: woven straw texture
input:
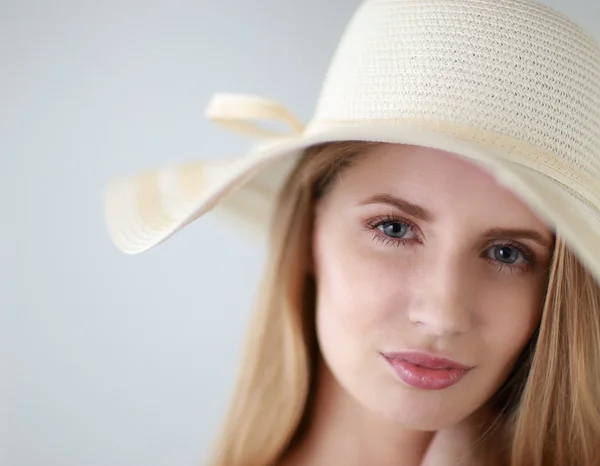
{"type": "Point", "coordinates": [515, 74]}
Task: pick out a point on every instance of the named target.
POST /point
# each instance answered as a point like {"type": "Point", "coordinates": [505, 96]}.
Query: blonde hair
{"type": "Point", "coordinates": [548, 409]}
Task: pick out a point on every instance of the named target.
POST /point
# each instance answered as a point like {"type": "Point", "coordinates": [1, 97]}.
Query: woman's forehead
{"type": "Point", "coordinates": [430, 170]}
{"type": "Point", "coordinates": [402, 161]}
{"type": "Point", "coordinates": [436, 180]}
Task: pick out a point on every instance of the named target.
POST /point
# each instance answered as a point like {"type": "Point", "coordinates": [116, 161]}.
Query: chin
{"type": "Point", "coordinates": [420, 409]}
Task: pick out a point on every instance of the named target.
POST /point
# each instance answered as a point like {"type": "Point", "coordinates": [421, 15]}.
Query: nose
{"type": "Point", "coordinates": [443, 294]}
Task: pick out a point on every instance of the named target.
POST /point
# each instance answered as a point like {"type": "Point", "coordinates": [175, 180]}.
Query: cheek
{"type": "Point", "coordinates": [358, 295]}
{"type": "Point", "coordinates": [508, 322]}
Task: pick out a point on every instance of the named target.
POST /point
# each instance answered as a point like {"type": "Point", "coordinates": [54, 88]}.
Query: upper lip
{"type": "Point", "coordinates": [427, 360]}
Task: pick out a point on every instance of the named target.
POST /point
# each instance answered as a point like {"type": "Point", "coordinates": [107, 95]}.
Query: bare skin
{"type": "Point", "coordinates": [391, 278]}
{"type": "Point", "coordinates": [335, 437]}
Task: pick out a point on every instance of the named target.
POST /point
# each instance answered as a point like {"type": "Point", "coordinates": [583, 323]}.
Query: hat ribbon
{"type": "Point", "coordinates": [243, 113]}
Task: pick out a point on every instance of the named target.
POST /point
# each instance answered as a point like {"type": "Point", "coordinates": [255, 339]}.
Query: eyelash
{"type": "Point", "coordinates": [374, 224]}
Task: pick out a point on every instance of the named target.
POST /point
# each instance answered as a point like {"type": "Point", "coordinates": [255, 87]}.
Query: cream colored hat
{"type": "Point", "coordinates": [509, 84]}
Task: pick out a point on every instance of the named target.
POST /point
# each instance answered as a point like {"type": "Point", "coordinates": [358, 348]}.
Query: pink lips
{"type": "Point", "coordinates": [425, 371]}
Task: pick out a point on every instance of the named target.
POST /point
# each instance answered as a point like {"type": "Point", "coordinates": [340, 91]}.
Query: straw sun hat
{"type": "Point", "coordinates": [511, 85]}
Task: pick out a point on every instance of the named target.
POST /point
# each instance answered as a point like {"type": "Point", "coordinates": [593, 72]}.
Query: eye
{"type": "Point", "coordinates": [511, 257]}
{"type": "Point", "coordinates": [394, 229]}
{"type": "Point", "coordinates": [506, 254]}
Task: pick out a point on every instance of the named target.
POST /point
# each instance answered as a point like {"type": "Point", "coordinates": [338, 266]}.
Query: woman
{"type": "Point", "coordinates": [431, 295]}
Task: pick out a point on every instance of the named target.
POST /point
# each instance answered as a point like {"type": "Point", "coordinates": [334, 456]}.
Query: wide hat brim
{"type": "Point", "coordinates": [145, 210]}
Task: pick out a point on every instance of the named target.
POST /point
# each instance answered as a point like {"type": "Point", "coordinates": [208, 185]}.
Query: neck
{"type": "Point", "coordinates": [340, 431]}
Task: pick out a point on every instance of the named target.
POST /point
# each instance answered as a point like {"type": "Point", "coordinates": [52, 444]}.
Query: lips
{"type": "Point", "coordinates": [424, 371]}
{"type": "Point", "coordinates": [428, 361]}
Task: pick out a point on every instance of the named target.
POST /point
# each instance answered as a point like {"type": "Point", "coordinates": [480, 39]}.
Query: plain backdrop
{"type": "Point", "coordinates": [115, 360]}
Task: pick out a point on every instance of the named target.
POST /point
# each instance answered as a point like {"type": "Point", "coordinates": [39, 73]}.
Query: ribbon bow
{"type": "Point", "coordinates": [243, 113]}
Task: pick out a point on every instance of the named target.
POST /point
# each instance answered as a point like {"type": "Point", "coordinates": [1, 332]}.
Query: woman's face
{"type": "Point", "coordinates": [421, 255]}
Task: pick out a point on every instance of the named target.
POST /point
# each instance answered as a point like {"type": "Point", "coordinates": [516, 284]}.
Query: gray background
{"type": "Point", "coordinates": [108, 359]}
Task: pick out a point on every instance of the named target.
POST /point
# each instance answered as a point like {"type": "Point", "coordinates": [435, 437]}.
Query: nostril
{"type": "Point", "coordinates": [441, 321]}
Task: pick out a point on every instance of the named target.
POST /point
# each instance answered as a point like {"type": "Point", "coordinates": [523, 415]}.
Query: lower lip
{"type": "Point", "coordinates": [425, 378]}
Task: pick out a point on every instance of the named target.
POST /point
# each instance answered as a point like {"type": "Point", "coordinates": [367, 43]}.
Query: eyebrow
{"type": "Point", "coordinates": [407, 207]}
{"type": "Point", "coordinates": [522, 233]}
{"type": "Point", "coordinates": [423, 214]}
